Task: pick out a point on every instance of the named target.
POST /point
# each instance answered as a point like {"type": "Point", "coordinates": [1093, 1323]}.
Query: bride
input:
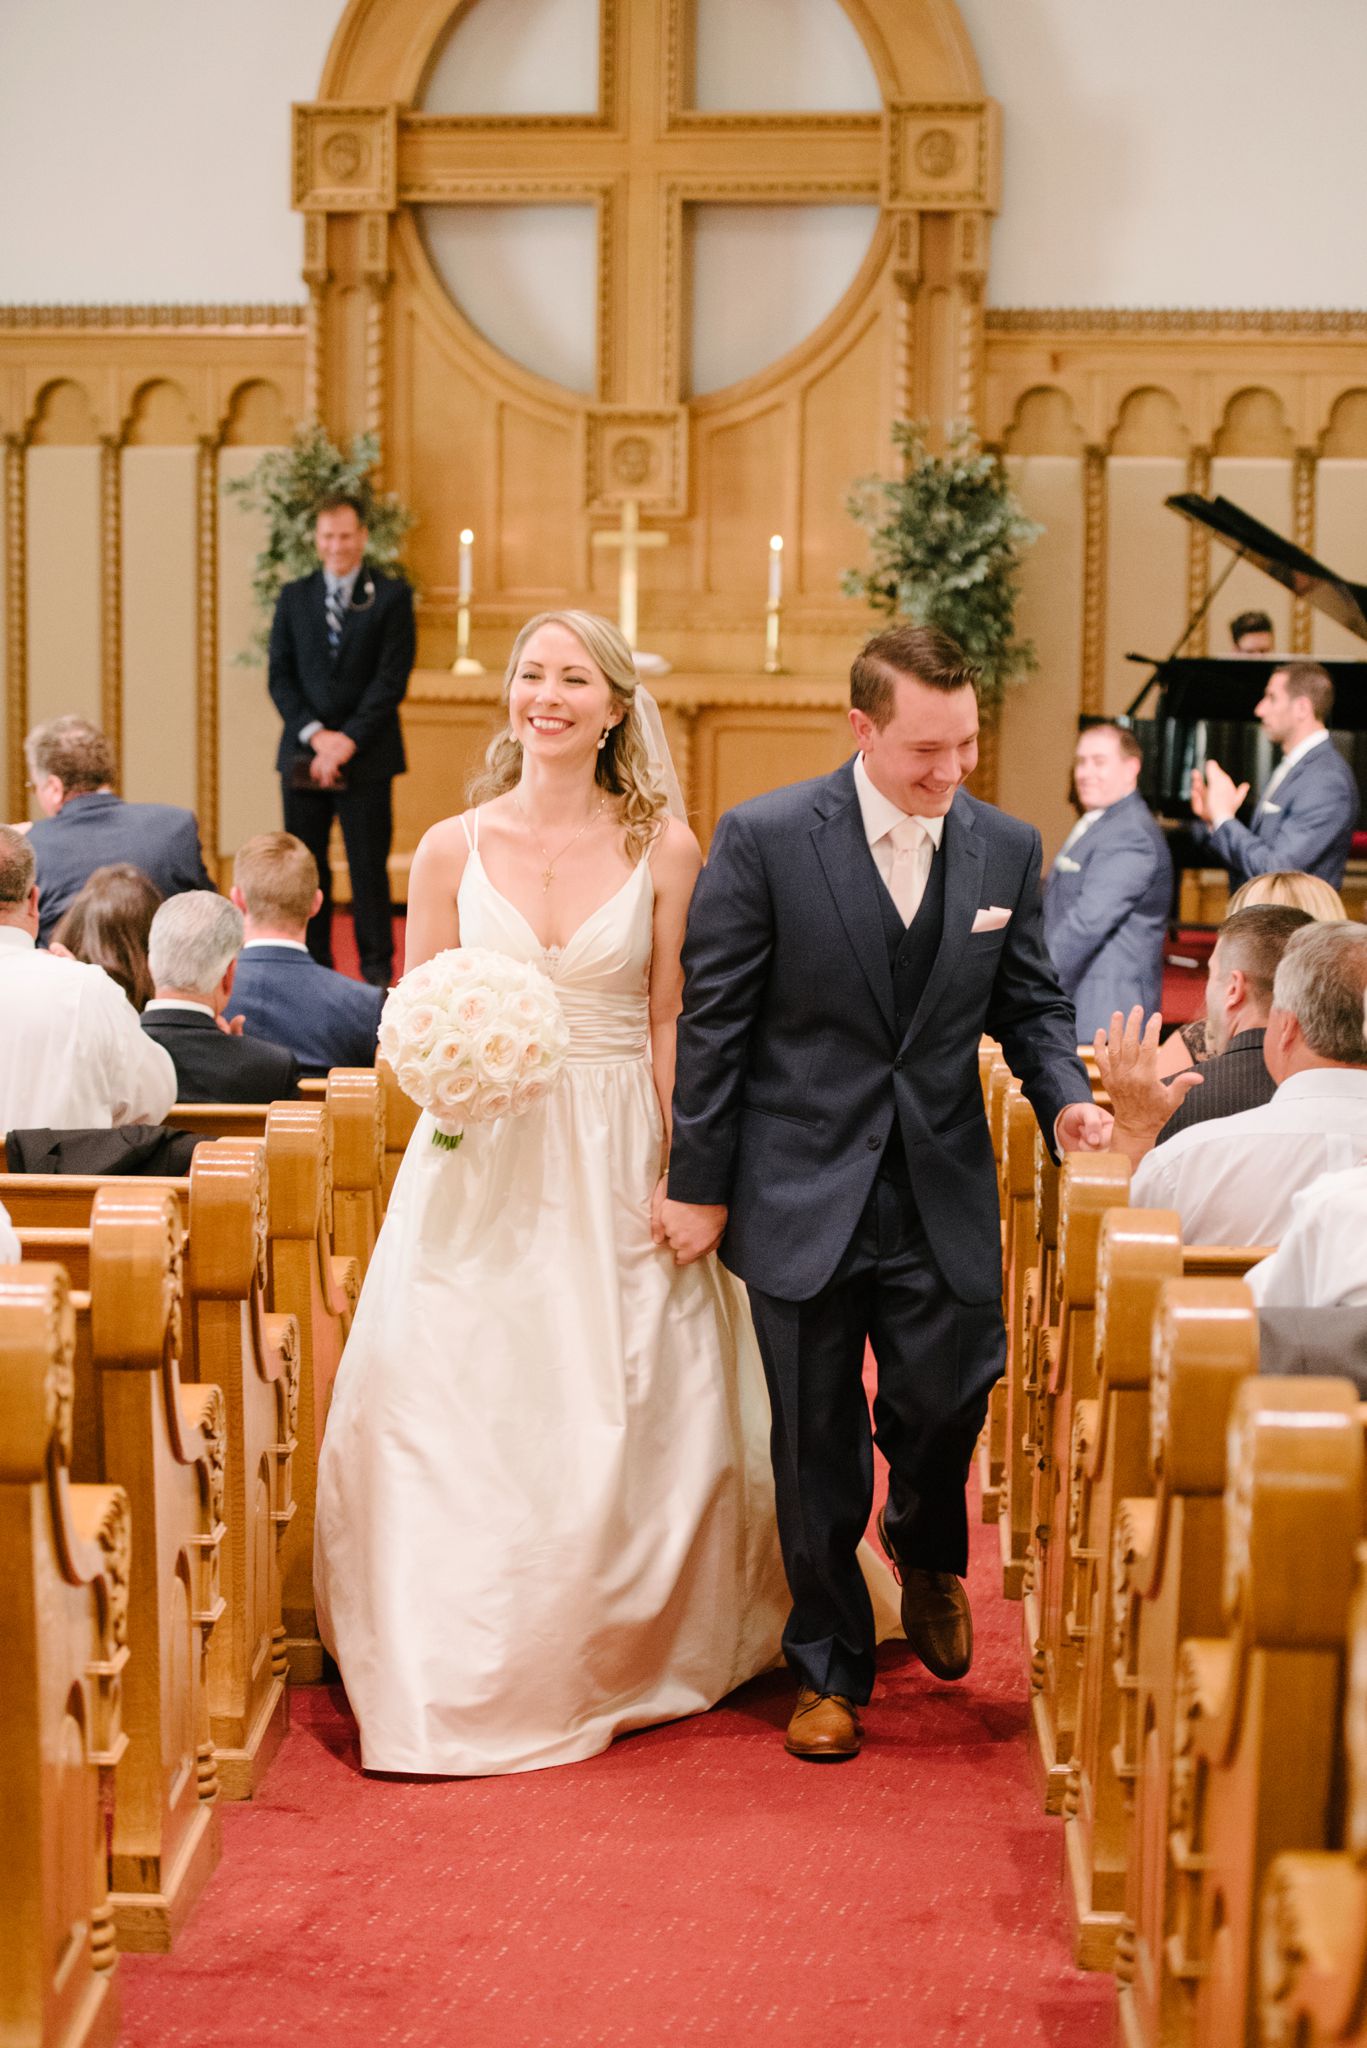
{"type": "Point", "coordinates": [545, 1511]}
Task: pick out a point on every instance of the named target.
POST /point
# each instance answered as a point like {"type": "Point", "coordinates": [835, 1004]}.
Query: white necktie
{"type": "Point", "coordinates": [1087, 819]}
{"type": "Point", "coordinates": [912, 853]}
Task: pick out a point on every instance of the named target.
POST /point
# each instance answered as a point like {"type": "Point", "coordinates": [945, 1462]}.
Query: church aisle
{"type": "Point", "coordinates": [694, 1884]}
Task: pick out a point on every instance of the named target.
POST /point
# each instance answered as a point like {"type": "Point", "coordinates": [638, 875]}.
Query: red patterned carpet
{"type": "Point", "coordinates": [693, 1885]}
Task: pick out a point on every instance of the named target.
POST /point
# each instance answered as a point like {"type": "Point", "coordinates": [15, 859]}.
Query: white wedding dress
{"type": "Point", "coordinates": [545, 1509]}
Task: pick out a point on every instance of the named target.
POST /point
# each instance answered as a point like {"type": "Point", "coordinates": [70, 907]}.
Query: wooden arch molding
{"type": "Point", "coordinates": [472, 439]}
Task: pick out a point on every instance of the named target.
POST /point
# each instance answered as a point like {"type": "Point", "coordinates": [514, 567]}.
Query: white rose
{"type": "Point", "coordinates": [412, 1079]}
{"type": "Point", "coordinates": [527, 1094]}
{"type": "Point", "coordinates": [472, 1009]}
{"type": "Point", "coordinates": [494, 1102]}
{"type": "Point", "coordinates": [456, 1090]}
{"type": "Point", "coordinates": [420, 1025]}
{"type": "Point", "coordinates": [497, 1054]}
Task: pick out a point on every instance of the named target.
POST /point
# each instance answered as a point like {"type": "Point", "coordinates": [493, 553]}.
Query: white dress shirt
{"type": "Point", "coordinates": [9, 1243]}
{"type": "Point", "coordinates": [73, 1055]}
{"type": "Point", "coordinates": [1287, 763]}
{"type": "Point", "coordinates": [1084, 824]}
{"type": "Point", "coordinates": [901, 856]}
{"type": "Point", "coordinates": [1322, 1260]}
{"type": "Point", "coordinates": [1233, 1179]}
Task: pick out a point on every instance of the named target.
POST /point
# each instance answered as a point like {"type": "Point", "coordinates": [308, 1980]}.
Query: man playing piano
{"type": "Point", "coordinates": [1307, 813]}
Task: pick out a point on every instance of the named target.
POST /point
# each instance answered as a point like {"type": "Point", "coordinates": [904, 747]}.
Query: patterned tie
{"type": "Point", "coordinates": [912, 852]}
{"type": "Point", "coordinates": [336, 611]}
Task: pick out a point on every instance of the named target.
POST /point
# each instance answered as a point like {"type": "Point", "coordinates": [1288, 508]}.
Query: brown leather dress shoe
{"type": "Point", "coordinates": [936, 1617]}
{"type": "Point", "coordinates": [825, 1728]}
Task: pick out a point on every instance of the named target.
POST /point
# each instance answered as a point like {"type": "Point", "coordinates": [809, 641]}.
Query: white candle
{"type": "Point", "coordinates": [775, 567]}
{"type": "Point", "coordinates": [467, 542]}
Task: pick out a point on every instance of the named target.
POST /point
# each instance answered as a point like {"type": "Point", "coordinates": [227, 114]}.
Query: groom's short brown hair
{"type": "Point", "coordinates": [922, 652]}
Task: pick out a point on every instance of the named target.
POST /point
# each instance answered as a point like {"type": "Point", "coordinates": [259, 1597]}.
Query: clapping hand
{"type": "Point", "coordinates": [1127, 1060]}
{"type": "Point", "coordinates": [1215, 796]}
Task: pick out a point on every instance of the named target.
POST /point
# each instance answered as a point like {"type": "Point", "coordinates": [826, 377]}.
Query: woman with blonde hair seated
{"type": "Point", "coordinates": [1290, 889]}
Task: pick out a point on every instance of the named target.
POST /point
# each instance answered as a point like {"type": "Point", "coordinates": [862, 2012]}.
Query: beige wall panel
{"type": "Point", "coordinates": [159, 625]}
{"type": "Point", "coordinates": [248, 728]}
{"type": "Point", "coordinates": [1263, 488]}
{"type": "Point", "coordinates": [1146, 569]}
{"type": "Point", "coordinates": [537, 479]}
{"type": "Point", "coordinates": [742, 492]}
{"type": "Point", "coordinates": [63, 582]}
{"type": "Point", "coordinates": [1341, 543]}
{"type": "Point", "coordinates": [443, 454]}
{"type": "Point", "coordinates": [741, 754]}
{"type": "Point", "coordinates": [842, 437]}
{"type": "Point", "coordinates": [13, 794]}
{"type": "Point", "coordinates": [1039, 719]}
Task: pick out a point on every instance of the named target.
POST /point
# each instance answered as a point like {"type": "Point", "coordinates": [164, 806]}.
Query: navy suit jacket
{"type": "Point", "coordinates": [1308, 825]}
{"type": "Point", "coordinates": [791, 1068]}
{"type": "Point", "coordinates": [325, 1019]}
{"type": "Point", "coordinates": [100, 830]}
{"type": "Point", "coordinates": [358, 693]}
{"type": "Point", "coordinates": [211, 1066]}
{"type": "Point", "coordinates": [1106, 908]}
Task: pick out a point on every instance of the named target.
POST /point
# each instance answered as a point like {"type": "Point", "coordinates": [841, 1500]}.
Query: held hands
{"type": "Point", "coordinates": [1127, 1060]}
{"type": "Point", "coordinates": [1083, 1127]}
{"type": "Point", "coordinates": [691, 1229]}
{"type": "Point", "coordinates": [1215, 796]}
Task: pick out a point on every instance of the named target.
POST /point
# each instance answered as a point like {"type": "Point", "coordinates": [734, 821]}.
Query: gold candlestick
{"type": "Point", "coordinates": [464, 664]}
{"type": "Point", "coordinates": [773, 609]}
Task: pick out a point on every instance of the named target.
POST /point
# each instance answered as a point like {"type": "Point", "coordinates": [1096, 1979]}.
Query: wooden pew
{"type": "Point", "coordinates": [999, 1084]}
{"type": "Point", "coordinates": [353, 1104]}
{"type": "Point", "coordinates": [1312, 1935]}
{"type": "Point", "coordinates": [228, 1339]}
{"type": "Point", "coordinates": [165, 1444]}
{"type": "Point", "coordinates": [1258, 1705]}
{"type": "Point", "coordinates": [64, 1596]}
{"type": "Point", "coordinates": [1090, 1184]}
{"type": "Point", "coordinates": [1020, 1261]}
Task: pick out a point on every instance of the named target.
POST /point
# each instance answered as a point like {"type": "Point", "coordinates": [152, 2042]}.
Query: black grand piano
{"type": "Point", "coordinates": [1205, 704]}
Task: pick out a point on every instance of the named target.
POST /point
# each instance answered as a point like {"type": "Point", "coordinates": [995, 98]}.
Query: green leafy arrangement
{"type": "Point", "coordinates": [287, 484]}
{"type": "Point", "coordinates": [945, 541]}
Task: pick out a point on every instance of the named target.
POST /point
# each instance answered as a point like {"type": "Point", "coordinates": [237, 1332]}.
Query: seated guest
{"type": "Point", "coordinates": [107, 924]}
{"type": "Point", "coordinates": [1309, 807]}
{"type": "Point", "coordinates": [196, 938]}
{"type": "Point", "coordinates": [1107, 899]}
{"type": "Point", "coordinates": [1285, 887]}
{"type": "Point", "coordinates": [280, 991]}
{"type": "Point", "coordinates": [1251, 633]}
{"type": "Point", "coordinates": [1322, 1260]}
{"type": "Point", "coordinates": [85, 826]}
{"type": "Point", "coordinates": [71, 1053]}
{"type": "Point", "coordinates": [1232, 1180]}
{"type": "Point", "coordinates": [1233, 1077]}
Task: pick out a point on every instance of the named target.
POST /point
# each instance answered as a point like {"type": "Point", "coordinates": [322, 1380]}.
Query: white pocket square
{"type": "Point", "coordinates": [991, 920]}
{"type": "Point", "coordinates": [1266, 806]}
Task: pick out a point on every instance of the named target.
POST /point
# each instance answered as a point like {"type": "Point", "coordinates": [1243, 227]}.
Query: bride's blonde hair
{"type": "Point", "coordinates": [624, 767]}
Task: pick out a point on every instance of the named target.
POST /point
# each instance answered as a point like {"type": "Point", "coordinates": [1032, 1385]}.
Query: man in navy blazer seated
{"type": "Point", "coordinates": [849, 942]}
{"type": "Point", "coordinates": [1306, 816]}
{"type": "Point", "coordinates": [280, 991]}
{"type": "Point", "coordinates": [341, 650]}
{"type": "Point", "coordinates": [1109, 894]}
{"type": "Point", "coordinates": [85, 826]}
{"type": "Point", "coordinates": [192, 953]}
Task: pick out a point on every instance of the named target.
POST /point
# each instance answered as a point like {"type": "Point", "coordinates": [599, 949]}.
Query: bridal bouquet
{"type": "Point", "coordinates": [473, 1035]}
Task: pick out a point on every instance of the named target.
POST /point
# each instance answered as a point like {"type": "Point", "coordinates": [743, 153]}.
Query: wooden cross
{"type": "Point", "coordinates": [630, 539]}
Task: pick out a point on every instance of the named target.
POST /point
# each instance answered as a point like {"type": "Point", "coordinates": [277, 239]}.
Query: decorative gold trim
{"type": "Point", "coordinates": [206, 643]}
{"type": "Point", "coordinates": [1175, 320]}
{"type": "Point", "coordinates": [941, 155]}
{"type": "Point", "coordinates": [111, 591]}
{"type": "Point", "coordinates": [16, 615]}
{"type": "Point", "coordinates": [1198, 552]}
{"type": "Point", "coordinates": [1093, 581]}
{"type": "Point", "coordinates": [206, 318]}
{"type": "Point", "coordinates": [346, 157]}
{"type": "Point", "coordinates": [1303, 483]}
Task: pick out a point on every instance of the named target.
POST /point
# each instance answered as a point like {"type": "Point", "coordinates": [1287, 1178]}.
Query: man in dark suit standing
{"type": "Point", "coordinates": [86, 826]}
{"type": "Point", "coordinates": [1306, 816]}
{"type": "Point", "coordinates": [341, 651]}
{"type": "Point", "coordinates": [280, 991]}
{"type": "Point", "coordinates": [192, 952]}
{"type": "Point", "coordinates": [1109, 893]}
{"type": "Point", "coordinates": [849, 942]}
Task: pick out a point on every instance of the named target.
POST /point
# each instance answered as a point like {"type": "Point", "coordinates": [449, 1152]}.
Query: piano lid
{"type": "Point", "coordinates": [1281, 559]}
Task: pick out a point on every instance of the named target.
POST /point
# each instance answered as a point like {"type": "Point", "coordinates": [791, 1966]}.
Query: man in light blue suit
{"type": "Point", "coordinates": [1109, 895]}
{"type": "Point", "coordinates": [1307, 814]}
{"type": "Point", "coordinates": [280, 991]}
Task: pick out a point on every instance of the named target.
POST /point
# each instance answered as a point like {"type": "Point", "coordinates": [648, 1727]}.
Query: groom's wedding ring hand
{"type": "Point", "coordinates": [692, 1229]}
{"type": "Point", "coordinates": [657, 1203]}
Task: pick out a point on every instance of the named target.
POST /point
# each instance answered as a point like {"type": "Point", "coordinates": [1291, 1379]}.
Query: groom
{"type": "Point", "coordinates": [850, 941]}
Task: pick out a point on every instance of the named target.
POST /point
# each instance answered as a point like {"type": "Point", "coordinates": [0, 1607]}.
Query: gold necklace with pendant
{"type": "Point", "coordinates": [548, 872]}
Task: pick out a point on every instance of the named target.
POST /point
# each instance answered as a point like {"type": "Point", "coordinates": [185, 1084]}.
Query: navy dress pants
{"type": "Point", "coordinates": [366, 815]}
{"type": "Point", "coordinates": [937, 1359]}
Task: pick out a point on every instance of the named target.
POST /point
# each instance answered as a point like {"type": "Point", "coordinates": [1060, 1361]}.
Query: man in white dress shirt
{"type": "Point", "coordinates": [72, 1053]}
{"type": "Point", "coordinates": [1234, 1180]}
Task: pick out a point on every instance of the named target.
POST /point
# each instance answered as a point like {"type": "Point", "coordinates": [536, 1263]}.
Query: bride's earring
{"type": "Point", "coordinates": [604, 740]}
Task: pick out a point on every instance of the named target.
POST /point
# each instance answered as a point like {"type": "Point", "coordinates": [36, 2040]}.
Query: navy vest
{"type": "Point", "coordinates": [911, 953]}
